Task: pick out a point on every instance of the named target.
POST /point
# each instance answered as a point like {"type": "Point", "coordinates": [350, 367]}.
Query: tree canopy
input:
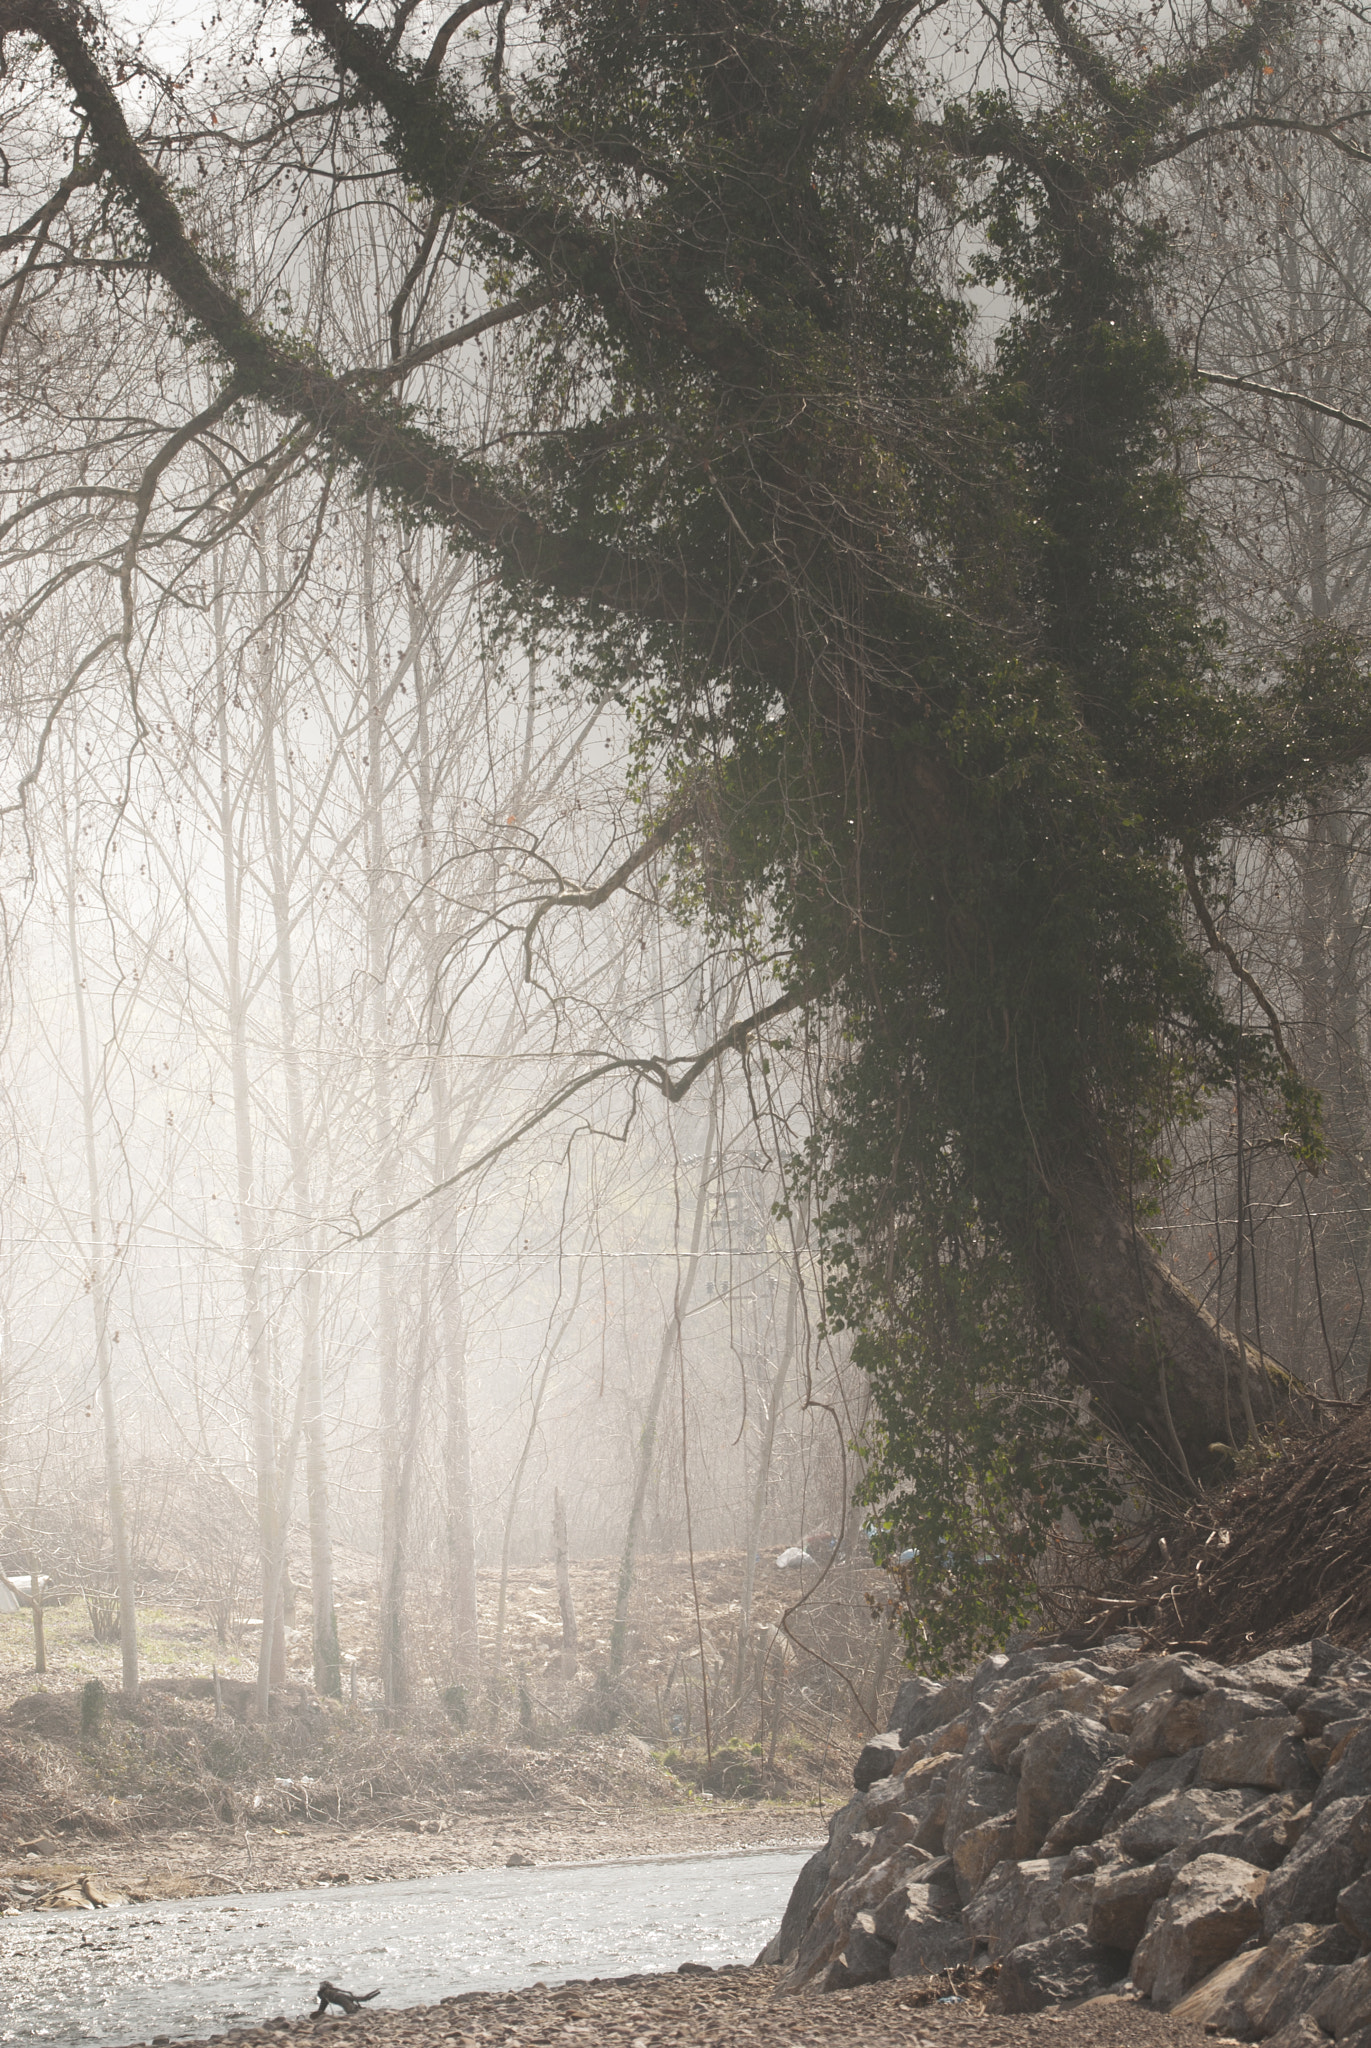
{"type": "Point", "coordinates": [847, 447]}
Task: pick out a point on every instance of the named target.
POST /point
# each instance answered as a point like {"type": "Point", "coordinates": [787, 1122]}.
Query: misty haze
{"type": "Point", "coordinates": [685, 1073]}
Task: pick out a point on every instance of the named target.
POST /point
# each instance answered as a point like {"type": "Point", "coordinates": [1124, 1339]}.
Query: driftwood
{"type": "Point", "coordinates": [350, 2001]}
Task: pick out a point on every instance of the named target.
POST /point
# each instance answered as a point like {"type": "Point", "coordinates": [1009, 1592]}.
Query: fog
{"type": "Point", "coordinates": [337, 1148]}
{"type": "Point", "coordinates": [418, 1055]}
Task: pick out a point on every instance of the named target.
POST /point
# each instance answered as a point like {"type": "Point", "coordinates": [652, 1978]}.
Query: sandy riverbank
{"type": "Point", "coordinates": [203, 1862]}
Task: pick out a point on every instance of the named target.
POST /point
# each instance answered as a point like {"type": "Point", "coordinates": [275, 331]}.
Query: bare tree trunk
{"type": "Point", "coordinates": [459, 1518]}
{"type": "Point", "coordinates": [762, 1476]}
{"type": "Point", "coordinates": [647, 1436]}
{"type": "Point", "coordinates": [324, 1630]}
{"type": "Point", "coordinates": [559, 1546]}
{"type": "Point", "coordinates": [395, 1684]}
{"type": "Point", "coordinates": [459, 1502]}
{"type": "Point", "coordinates": [40, 1645]}
{"type": "Point", "coordinates": [271, 1654]}
{"type": "Point", "coordinates": [99, 1302]}
{"type": "Point", "coordinates": [516, 1483]}
{"type": "Point", "coordinates": [1331, 1057]}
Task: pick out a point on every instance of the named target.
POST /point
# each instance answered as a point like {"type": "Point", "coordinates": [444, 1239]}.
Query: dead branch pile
{"type": "Point", "coordinates": [1279, 1557]}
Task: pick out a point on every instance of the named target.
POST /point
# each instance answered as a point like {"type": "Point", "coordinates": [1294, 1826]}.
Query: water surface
{"type": "Point", "coordinates": [191, 1967]}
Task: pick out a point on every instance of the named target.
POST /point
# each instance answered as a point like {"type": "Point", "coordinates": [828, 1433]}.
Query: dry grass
{"type": "Point", "coordinates": [782, 1716]}
{"type": "Point", "coordinates": [159, 1762]}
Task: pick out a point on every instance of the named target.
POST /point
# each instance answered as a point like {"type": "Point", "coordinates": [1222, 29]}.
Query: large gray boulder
{"type": "Point", "coordinates": [1349, 1776]}
{"type": "Point", "coordinates": [979, 1850]}
{"type": "Point", "coordinates": [933, 1894]}
{"type": "Point", "coordinates": [1180, 1820]}
{"type": "Point", "coordinates": [1094, 1810]}
{"type": "Point", "coordinates": [955, 1735]}
{"type": "Point", "coordinates": [864, 1959]}
{"type": "Point", "coordinates": [927, 1942]}
{"type": "Point", "coordinates": [883, 1801]}
{"type": "Point", "coordinates": [1002, 1670]}
{"type": "Point", "coordinates": [845, 1823]}
{"type": "Point", "coordinates": [1304, 2032]}
{"type": "Point", "coordinates": [1343, 2006]}
{"type": "Point", "coordinates": [1319, 1710]}
{"type": "Point", "coordinates": [1260, 1990]}
{"type": "Point", "coordinates": [1058, 1761]}
{"type": "Point", "coordinates": [988, 1674]}
{"type": "Point", "coordinates": [1277, 1672]}
{"type": "Point", "coordinates": [1123, 1895]}
{"type": "Point", "coordinates": [1029, 1702]}
{"type": "Point", "coordinates": [1213, 1907]}
{"type": "Point", "coordinates": [928, 1792]}
{"type": "Point", "coordinates": [915, 1708]}
{"type": "Point", "coordinates": [1215, 2003]}
{"type": "Point", "coordinates": [1021, 1902]}
{"type": "Point", "coordinates": [1303, 1962]}
{"type": "Point", "coordinates": [853, 1852]}
{"type": "Point", "coordinates": [828, 1928]}
{"type": "Point", "coordinates": [1330, 1853]}
{"type": "Point", "coordinates": [1056, 1970]}
{"type": "Point", "coordinates": [1267, 1752]}
{"type": "Point", "coordinates": [1329, 1660]}
{"type": "Point", "coordinates": [1354, 1910]}
{"type": "Point", "coordinates": [1177, 1721]}
{"type": "Point", "coordinates": [1155, 1780]}
{"type": "Point", "coordinates": [1183, 1675]}
{"type": "Point", "coordinates": [876, 1759]}
{"type": "Point", "coordinates": [1265, 1834]}
{"type": "Point", "coordinates": [975, 1797]}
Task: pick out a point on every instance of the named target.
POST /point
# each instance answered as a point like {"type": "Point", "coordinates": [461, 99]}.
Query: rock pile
{"type": "Point", "coordinates": [1076, 1821]}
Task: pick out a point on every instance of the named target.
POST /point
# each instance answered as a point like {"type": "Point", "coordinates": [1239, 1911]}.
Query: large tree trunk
{"type": "Point", "coordinates": [459, 1507]}
{"type": "Point", "coordinates": [395, 1680]}
{"type": "Point", "coordinates": [1158, 1368]}
{"type": "Point", "coordinates": [1330, 935]}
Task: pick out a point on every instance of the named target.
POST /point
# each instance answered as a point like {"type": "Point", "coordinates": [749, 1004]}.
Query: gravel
{"type": "Point", "coordinates": [713, 2009]}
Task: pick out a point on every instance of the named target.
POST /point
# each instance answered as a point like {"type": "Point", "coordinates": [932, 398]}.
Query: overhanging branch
{"type": "Point", "coordinates": [294, 381]}
{"type": "Point", "coordinates": [591, 899]}
{"type": "Point", "coordinates": [1319, 405]}
{"type": "Point", "coordinates": [656, 1071]}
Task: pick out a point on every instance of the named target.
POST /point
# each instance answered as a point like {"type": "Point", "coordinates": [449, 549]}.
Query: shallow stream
{"type": "Point", "coordinates": [192, 1967]}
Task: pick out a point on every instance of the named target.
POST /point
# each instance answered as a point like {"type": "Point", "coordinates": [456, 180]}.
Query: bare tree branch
{"type": "Point", "coordinates": [429, 476]}
{"type": "Point", "coordinates": [1253, 384]}
{"type": "Point", "coordinates": [590, 899]}
{"type": "Point", "coordinates": [658, 1071]}
{"type": "Point", "coordinates": [1218, 944]}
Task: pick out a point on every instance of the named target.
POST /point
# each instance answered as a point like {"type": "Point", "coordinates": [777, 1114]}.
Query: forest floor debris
{"type": "Point", "coordinates": [699, 2006]}
{"type": "Point", "coordinates": [838, 1656]}
{"type": "Point", "coordinates": [1281, 1556]}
